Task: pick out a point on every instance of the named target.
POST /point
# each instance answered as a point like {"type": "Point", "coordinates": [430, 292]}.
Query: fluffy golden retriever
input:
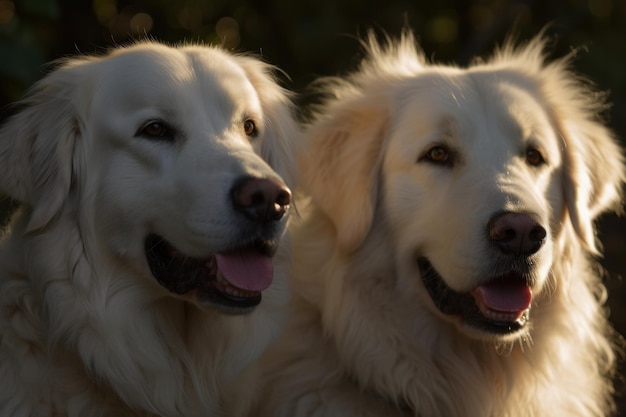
{"type": "Point", "coordinates": [445, 264]}
{"type": "Point", "coordinates": [139, 277]}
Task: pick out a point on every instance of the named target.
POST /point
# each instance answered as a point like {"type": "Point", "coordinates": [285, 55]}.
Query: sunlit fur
{"type": "Point", "coordinates": [364, 338]}
{"type": "Point", "coordinates": [85, 330]}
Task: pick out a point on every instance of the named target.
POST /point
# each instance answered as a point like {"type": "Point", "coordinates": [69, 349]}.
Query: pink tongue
{"type": "Point", "coordinates": [246, 270]}
{"type": "Point", "coordinates": [504, 296]}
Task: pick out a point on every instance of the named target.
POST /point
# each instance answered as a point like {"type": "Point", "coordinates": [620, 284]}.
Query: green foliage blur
{"type": "Point", "coordinates": [312, 38]}
{"type": "Point", "coordinates": [308, 38]}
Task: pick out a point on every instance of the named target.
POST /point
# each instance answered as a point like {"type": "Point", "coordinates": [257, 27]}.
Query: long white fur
{"type": "Point", "coordinates": [364, 339]}
{"type": "Point", "coordinates": [85, 331]}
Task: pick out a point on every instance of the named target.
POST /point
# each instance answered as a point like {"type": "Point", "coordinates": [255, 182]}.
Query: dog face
{"type": "Point", "coordinates": [472, 180]}
{"type": "Point", "coordinates": [165, 153]}
{"type": "Point", "coordinates": [471, 176]}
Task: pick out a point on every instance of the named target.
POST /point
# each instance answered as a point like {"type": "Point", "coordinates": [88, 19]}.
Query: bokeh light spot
{"type": "Point", "coordinates": [141, 23]}
{"type": "Point", "coordinates": [104, 10]}
{"type": "Point", "coordinates": [227, 29]}
{"type": "Point", "coordinates": [443, 29]}
{"type": "Point", "coordinates": [7, 11]}
{"type": "Point", "coordinates": [601, 8]}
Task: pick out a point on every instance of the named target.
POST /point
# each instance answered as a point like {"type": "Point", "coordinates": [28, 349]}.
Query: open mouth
{"type": "Point", "coordinates": [230, 280]}
{"type": "Point", "coordinates": [500, 306]}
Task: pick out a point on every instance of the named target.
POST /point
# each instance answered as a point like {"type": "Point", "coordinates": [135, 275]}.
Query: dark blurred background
{"type": "Point", "coordinates": [311, 38]}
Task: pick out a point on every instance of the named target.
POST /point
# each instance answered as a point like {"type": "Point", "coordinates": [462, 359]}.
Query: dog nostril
{"type": "Point", "coordinates": [261, 199]}
{"type": "Point", "coordinates": [502, 235]}
{"type": "Point", "coordinates": [537, 234]}
{"type": "Point", "coordinates": [284, 197]}
{"type": "Point", "coordinates": [516, 233]}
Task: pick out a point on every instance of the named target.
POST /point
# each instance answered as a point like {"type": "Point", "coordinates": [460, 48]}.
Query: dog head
{"type": "Point", "coordinates": [474, 175]}
{"type": "Point", "coordinates": [177, 161]}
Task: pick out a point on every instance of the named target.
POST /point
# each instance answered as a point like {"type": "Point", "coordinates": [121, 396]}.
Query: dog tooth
{"type": "Point", "coordinates": [224, 286]}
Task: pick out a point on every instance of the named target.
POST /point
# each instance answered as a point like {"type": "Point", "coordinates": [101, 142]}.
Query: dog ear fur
{"type": "Point", "coordinates": [36, 147]}
{"type": "Point", "coordinates": [594, 176]}
{"type": "Point", "coordinates": [341, 166]}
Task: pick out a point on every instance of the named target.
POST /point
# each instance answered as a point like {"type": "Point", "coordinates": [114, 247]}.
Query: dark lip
{"type": "Point", "coordinates": [463, 305]}
{"type": "Point", "coordinates": [184, 275]}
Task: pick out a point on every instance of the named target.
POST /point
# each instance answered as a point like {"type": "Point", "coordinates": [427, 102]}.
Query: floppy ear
{"type": "Point", "coordinates": [279, 148]}
{"type": "Point", "coordinates": [341, 165]}
{"type": "Point", "coordinates": [36, 147]}
{"type": "Point", "coordinates": [594, 175]}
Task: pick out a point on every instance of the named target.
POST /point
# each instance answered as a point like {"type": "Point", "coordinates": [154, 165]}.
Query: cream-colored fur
{"type": "Point", "coordinates": [365, 338]}
{"type": "Point", "coordinates": [85, 329]}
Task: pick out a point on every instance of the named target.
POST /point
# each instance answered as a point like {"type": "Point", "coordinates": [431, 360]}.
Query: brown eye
{"type": "Point", "coordinates": [439, 155]}
{"type": "Point", "coordinates": [249, 127]}
{"type": "Point", "coordinates": [156, 130]}
{"type": "Point", "coordinates": [534, 157]}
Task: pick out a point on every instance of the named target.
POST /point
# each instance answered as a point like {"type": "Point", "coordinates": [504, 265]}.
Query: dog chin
{"type": "Point", "coordinates": [498, 309]}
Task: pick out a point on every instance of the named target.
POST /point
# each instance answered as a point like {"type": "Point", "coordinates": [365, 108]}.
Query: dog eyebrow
{"type": "Point", "coordinates": [448, 127]}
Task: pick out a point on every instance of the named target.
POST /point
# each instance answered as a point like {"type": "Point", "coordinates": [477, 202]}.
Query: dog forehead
{"type": "Point", "coordinates": [471, 107]}
{"type": "Point", "coordinates": [152, 72]}
{"type": "Point", "coordinates": [514, 114]}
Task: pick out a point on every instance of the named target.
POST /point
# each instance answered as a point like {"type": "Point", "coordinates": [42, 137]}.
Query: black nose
{"type": "Point", "coordinates": [516, 233]}
{"type": "Point", "coordinates": [261, 199]}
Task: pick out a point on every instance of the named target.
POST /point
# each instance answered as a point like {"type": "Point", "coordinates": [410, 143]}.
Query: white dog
{"type": "Point", "coordinates": [443, 268]}
{"type": "Point", "coordinates": [155, 188]}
